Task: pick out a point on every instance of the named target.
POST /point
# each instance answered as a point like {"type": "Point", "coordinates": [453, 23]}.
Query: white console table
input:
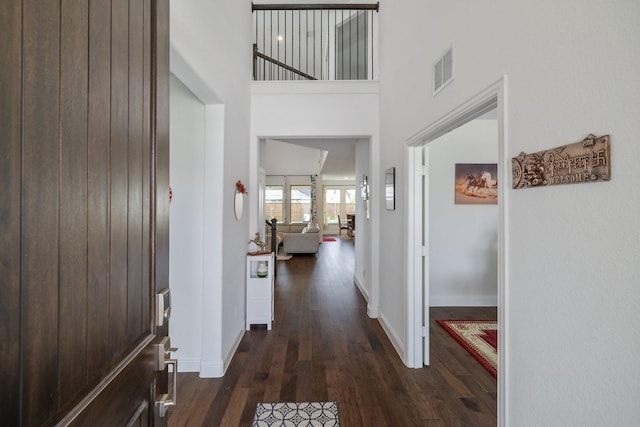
{"type": "Point", "coordinates": [260, 289]}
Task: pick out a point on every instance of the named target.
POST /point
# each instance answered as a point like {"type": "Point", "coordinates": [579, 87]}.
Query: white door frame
{"type": "Point", "coordinates": [414, 261]}
{"type": "Point", "coordinates": [495, 96]}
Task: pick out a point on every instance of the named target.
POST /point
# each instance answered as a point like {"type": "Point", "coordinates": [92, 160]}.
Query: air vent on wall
{"type": "Point", "coordinates": [443, 71]}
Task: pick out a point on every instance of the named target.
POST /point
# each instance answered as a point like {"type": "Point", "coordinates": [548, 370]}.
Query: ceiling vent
{"type": "Point", "coordinates": [443, 71]}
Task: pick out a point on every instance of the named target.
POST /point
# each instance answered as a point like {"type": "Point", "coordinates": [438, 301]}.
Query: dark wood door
{"type": "Point", "coordinates": [83, 209]}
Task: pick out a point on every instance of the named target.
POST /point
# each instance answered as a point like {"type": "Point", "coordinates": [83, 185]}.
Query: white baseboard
{"type": "Point", "coordinates": [463, 301]}
{"type": "Point", "coordinates": [362, 289]}
{"type": "Point", "coordinates": [217, 368]}
{"type": "Point", "coordinates": [234, 348]}
{"type": "Point", "coordinates": [211, 369]}
{"type": "Point", "coordinates": [372, 311]}
{"type": "Point", "coordinates": [395, 339]}
{"type": "Point", "coordinates": [188, 364]}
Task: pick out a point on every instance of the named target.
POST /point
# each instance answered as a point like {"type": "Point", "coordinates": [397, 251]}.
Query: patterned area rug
{"type": "Point", "coordinates": [478, 337]}
{"type": "Point", "coordinates": [302, 414]}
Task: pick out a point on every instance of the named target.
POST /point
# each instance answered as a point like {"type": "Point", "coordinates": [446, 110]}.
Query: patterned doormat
{"type": "Point", "coordinates": [478, 337]}
{"type": "Point", "coordinates": [301, 414]}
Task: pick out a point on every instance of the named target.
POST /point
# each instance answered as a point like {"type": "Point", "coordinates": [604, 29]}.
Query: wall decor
{"type": "Point", "coordinates": [238, 200]}
{"type": "Point", "coordinates": [583, 161]}
{"type": "Point", "coordinates": [364, 193]}
{"type": "Point", "coordinates": [390, 188]}
{"type": "Point", "coordinates": [364, 188]}
{"type": "Point", "coordinates": [476, 184]}
{"type": "Point", "coordinates": [240, 188]}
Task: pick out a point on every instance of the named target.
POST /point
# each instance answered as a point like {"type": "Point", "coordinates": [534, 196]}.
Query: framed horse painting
{"type": "Point", "coordinates": [476, 184]}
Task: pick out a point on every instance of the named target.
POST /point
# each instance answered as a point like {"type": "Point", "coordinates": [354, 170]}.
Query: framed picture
{"type": "Point", "coordinates": [476, 184]}
{"type": "Point", "coordinates": [390, 188]}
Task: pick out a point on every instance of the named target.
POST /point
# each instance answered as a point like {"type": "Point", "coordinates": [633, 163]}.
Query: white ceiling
{"type": "Point", "coordinates": [333, 158]}
{"type": "Point", "coordinates": [303, 156]}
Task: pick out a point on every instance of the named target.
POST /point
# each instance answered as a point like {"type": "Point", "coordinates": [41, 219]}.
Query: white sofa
{"type": "Point", "coordinates": [305, 242]}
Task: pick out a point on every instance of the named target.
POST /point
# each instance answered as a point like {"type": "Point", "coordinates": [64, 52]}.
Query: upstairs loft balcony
{"type": "Point", "coordinates": [314, 41]}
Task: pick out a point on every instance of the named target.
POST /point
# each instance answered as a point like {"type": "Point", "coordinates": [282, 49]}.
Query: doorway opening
{"type": "Point", "coordinates": [269, 164]}
{"type": "Point", "coordinates": [417, 272]}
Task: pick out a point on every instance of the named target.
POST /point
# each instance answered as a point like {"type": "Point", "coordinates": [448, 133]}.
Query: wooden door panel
{"type": "Point", "coordinates": [114, 407]}
{"type": "Point", "coordinates": [118, 175]}
{"type": "Point", "coordinates": [40, 215]}
{"type": "Point", "coordinates": [73, 198]}
{"type": "Point", "coordinates": [161, 127]}
{"type": "Point", "coordinates": [78, 161]}
{"type": "Point", "coordinates": [147, 211]}
{"type": "Point", "coordinates": [135, 288]}
{"type": "Point", "coordinates": [98, 131]}
{"type": "Point", "coordinates": [10, 172]}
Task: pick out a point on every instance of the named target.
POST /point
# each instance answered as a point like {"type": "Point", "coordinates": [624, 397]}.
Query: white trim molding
{"type": "Point", "coordinates": [495, 96]}
{"type": "Point", "coordinates": [464, 301]}
{"type": "Point", "coordinates": [211, 369]}
{"type": "Point", "coordinates": [394, 337]}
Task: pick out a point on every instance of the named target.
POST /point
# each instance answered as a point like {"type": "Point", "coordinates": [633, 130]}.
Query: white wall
{"type": "Point", "coordinates": [573, 273]}
{"type": "Point", "coordinates": [340, 109]}
{"type": "Point", "coordinates": [321, 109]}
{"type": "Point", "coordinates": [196, 139]}
{"type": "Point", "coordinates": [187, 138]}
{"type": "Point", "coordinates": [463, 239]}
{"type": "Point", "coordinates": [217, 68]}
{"type": "Point", "coordinates": [281, 158]}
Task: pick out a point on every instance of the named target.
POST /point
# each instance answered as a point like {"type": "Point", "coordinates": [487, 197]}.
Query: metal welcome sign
{"type": "Point", "coordinates": [584, 161]}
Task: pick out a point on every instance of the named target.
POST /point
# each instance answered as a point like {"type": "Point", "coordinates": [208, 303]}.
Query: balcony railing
{"type": "Point", "coordinates": [314, 41]}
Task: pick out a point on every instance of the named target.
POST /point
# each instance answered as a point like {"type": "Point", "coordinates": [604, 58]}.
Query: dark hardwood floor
{"type": "Point", "coordinates": [323, 347]}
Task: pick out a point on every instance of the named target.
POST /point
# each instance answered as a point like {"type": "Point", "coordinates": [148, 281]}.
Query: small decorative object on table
{"type": "Point", "coordinates": [259, 243]}
{"type": "Point", "coordinates": [262, 270]}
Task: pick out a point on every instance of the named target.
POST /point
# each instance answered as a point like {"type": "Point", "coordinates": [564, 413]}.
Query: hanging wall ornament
{"type": "Point", "coordinates": [238, 199]}
{"type": "Point", "coordinates": [584, 161]}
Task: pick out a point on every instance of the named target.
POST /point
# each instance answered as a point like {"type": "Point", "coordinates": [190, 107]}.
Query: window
{"type": "Point", "coordinates": [331, 205]}
{"type": "Point", "coordinates": [300, 203]}
{"type": "Point", "coordinates": [338, 200]}
{"type": "Point", "coordinates": [350, 201]}
{"type": "Point", "coordinates": [273, 202]}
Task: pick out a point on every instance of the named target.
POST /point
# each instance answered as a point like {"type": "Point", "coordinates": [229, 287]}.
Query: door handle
{"type": "Point", "coordinates": [169, 399]}
{"type": "Point", "coordinates": [163, 306]}
{"type": "Point", "coordinates": [163, 352]}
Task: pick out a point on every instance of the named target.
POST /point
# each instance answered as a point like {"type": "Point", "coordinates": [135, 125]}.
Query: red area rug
{"type": "Point", "coordinates": [478, 337]}
{"type": "Point", "coordinates": [328, 239]}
